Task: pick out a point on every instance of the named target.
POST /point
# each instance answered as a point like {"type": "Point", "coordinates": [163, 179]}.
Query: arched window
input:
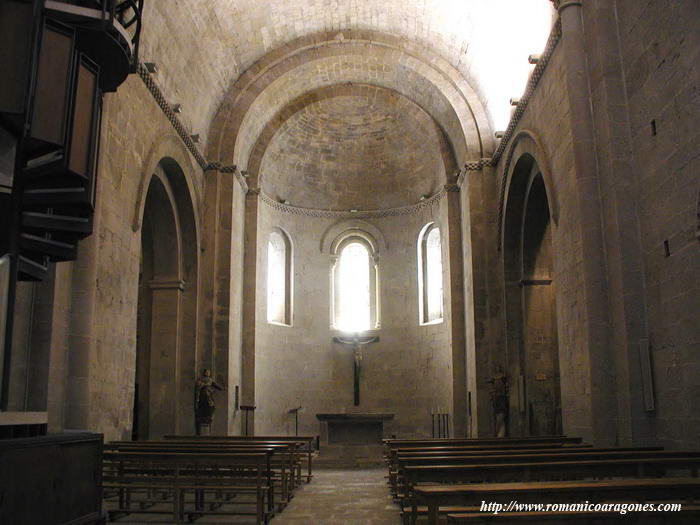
{"type": "Point", "coordinates": [430, 274]}
{"type": "Point", "coordinates": [279, 282]}
{"type": "Point", "coordinates": [354, 276]}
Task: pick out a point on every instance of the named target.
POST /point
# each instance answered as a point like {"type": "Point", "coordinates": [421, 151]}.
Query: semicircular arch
{"type": "Point", "coordinates": [272, 83]}
{"type": "Point", "coordinates": [525, 142]}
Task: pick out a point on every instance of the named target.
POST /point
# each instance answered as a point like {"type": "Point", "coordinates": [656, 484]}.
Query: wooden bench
{"type": "Point", "coordinates": [626, 453]}
{"type": "Point", "coordinates": [511, 456]}
{"type": "Point", "coordinates": [283, 461]}
{"type": "Point", "coordinates": [306, 444]}
{"type": "Point", "coordinates": [480, 442]}
{"type": "Point", "coordinates": [174, 475]}
{"type": "Point", "coordinates": [291, 450]}
{"type": "Point", "coordinates": [392, 454]}
{"type": "Point", "coordinates": [411, 457]}
{"type": "Point", "coordinates": [484, 441]}
{"type": "Point", "coordinates": [685, 490]}
{"type": "Point", "coordinates": [546, 470]}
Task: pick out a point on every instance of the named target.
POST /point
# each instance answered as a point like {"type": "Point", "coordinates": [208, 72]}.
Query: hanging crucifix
{"type": "Point", "coordinates": [357, 343]}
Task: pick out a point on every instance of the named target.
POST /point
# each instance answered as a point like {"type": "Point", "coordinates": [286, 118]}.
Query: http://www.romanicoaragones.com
{"type": "Point", "coordinates": [621, 508]}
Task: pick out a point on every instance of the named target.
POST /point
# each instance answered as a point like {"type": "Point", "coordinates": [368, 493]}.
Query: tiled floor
{"type": "Point", "coordinates": [334, 497]}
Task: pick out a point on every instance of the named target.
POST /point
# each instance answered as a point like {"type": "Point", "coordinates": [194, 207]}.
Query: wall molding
{"type": "Point", "coordinates": [179, 128]}
{"type": "Point", "coordinates": [533, 81]}
{"type": "Point", "coordinates": [359, 214]}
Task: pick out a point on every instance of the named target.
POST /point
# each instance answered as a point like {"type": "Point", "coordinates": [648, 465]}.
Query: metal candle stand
{"type": "Point", "coordinates": [441, 424]}
{"type": "Point", "coordinates": [247, 409]}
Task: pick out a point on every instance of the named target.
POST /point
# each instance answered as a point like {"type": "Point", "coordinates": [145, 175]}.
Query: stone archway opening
{"type": "Point", "coordinates": [166, 310]}
{"type": "Point", "coordinates": [533, 351]}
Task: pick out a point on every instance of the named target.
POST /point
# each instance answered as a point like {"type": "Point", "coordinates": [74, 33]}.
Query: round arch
{"type": "Point", "coordinates": [525, 143]}
{"type": "Point", "coordinates": [269, 85]}
{"type": "Point", "coordinates": [171, 152]}
{"type": "Point", "coordinates": [373, 235]}
{"type": "Point", "coordinates": [167, 302]}
{"type": "Point", "coordinates": [530, 302]}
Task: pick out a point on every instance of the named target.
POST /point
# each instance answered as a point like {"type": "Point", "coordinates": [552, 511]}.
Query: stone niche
{"type": "Point", "coordinates": [352, 429]}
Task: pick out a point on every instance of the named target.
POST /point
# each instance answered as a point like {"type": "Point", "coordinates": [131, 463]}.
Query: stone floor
{"type": "Point", "coordinates": [334, 497]}
{"type": "Point", "coordinates": [347, 497]}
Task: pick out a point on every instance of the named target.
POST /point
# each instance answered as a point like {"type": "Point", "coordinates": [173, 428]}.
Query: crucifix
{"type": "Point", "coordinates": [357, 343]}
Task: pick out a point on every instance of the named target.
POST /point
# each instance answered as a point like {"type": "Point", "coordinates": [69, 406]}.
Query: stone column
{"type": "Point", "coordinates": [166, 296]}
{"type": "Point", "coordinates": [250, 258]}
{"type": "Point", "coordinates": [215, 325]}
{"type": "Point", "coordinates": [483, 277]}
{"type": "Point", "coordinates": [619, 188]}
{"type": "Point", "coordinates": [591, 412]}
{"type": "Point", "coordinates": [81, 340]}
{"type": "Point", "coordinates": [457, 313]}
{"type": "Point", "coordinates": [49, 343]}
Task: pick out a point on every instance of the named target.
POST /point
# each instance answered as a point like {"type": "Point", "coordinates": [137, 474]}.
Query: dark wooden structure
{"type": "Point", "coordinates": [54, 479]}
{"type": "Point", "coordinates": [60, 57]}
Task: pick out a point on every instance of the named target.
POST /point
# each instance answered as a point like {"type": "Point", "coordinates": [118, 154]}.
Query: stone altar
{"type": "Point", "coordinates": [352, 429]}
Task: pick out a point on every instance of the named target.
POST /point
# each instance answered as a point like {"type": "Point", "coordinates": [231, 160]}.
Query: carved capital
{"type": "Point", "coordinates": [167, 284]}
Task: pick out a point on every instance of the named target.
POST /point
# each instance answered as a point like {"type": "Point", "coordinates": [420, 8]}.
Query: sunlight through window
{"type": "Point", "coordinates": [276, 279]}
{"type": "Point", "coordinates": [430, 291]}
{"type": "Point", "coordinates": [354, 289]}
{"type": "Point", "coordinates": [433, 272]}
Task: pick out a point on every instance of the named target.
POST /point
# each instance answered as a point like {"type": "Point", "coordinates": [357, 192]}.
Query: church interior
{"type": "Point", "coordinates": [344, 226]}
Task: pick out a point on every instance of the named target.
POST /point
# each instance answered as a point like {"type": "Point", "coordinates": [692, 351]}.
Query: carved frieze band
{"type": "Point", "coordinates": [535, 76]}
{"type": "Point", "coordinates": [158, 96]}
{"type": "Point", "coordinates": [170, 115]}
{"type": "Point", "coordinates": [359, 214]}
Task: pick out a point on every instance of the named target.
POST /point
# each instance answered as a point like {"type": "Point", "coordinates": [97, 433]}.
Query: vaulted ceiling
{"type": "Point", "coordinates": [244, 71]}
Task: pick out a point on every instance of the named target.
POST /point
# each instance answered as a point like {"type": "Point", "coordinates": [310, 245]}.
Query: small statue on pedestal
{"type": "Point", "coordinates": [204, 404]}
{"type": "Point", "coordinates": [499, 397]}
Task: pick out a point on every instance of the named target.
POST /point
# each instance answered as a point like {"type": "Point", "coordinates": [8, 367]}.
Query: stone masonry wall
{"type": "Point", "coordinates": [660, 50]}
{"type": "Point", "coordinates": [547, 118]}
{"type": "Point", "coordinates": [133, 128]}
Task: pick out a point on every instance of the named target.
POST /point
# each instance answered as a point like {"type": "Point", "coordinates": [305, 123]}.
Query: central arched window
{"type": "Point", "coordinates": [354, 284]}
{"type": "Point", "coordinates": [279, 262]}
{"type": "Point", "coordinates": [354, 298]}
{"type": "Point", "coordinates": [430, 274]}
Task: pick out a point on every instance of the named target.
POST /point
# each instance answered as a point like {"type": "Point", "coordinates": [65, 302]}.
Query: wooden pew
{"type": "Point", "coordinates": [546, 470]}
{"type": "Point", "coordinates": [541, 470]}
{"type": "Point", "coordinates": [306, 443]}
{"type": "Point", "coordinates": [393, 453]}
{"type": "Point", "coordinates": [480, 442]}
{"type": "Point", "coordinates": [486, 450]}
{"type": "Point", "coordinates": [622, 453]}
{"type": "Point", "coordinates": [176, 474]}
{"type": "Point", "coordinates": [484, 441]}
{"type": "Point", "coordinates": [292, 446]}
{"type": "Point", "coordinates": [644, 489]}
{"type": "Point", "coordinates": [511, 456]}
{"type": "Point", "coordinates": [283, 461]}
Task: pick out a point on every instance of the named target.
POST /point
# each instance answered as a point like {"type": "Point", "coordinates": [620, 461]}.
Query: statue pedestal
{"type": "Point", "coordinates": [204, 430]}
